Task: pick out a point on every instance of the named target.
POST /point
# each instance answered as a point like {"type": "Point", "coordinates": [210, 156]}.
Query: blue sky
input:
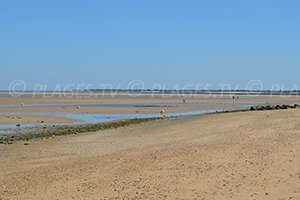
{"type": "Point", "coordinates": [158, 42]}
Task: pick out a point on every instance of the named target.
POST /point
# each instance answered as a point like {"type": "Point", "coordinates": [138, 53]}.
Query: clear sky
{"type": "Point", "coordinates": [159, 42]}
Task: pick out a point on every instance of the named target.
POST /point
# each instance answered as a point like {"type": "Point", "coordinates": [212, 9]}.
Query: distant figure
{"type": "Point", "coordinates": [237, 97]}
{"type": "Point", "coordinates": [162, 112]}
{"type": "Point", "coordinates": [183, 100]}
{"type": "Point", "coordinates": [233, 97]}
{"type": "Point", "coordinates": [22, 104]}
{"type": "Point", "coordinates": [77, 106]}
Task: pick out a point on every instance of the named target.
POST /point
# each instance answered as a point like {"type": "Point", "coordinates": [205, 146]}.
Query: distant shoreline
{"type": "Point", "coordinates": [149, 91]}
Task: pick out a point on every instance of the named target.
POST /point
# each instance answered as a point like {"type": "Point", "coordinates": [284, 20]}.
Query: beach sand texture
{"type": "Point", "coordinates": [252, 155]}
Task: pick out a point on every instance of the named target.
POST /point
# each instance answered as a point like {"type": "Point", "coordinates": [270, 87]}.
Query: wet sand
{"type": "Point", "coordinates": [252, 155]}
{"type": "Point", "coordinates": [123, 110]}
{"type": "Point", "coordinates": [61, 104]}
{"type": "Point", "coordinates": [204, 102]}
{"type": "Point", "coordinates": [11, 111]}
{"type": "Point", "coordinates": [83, 98]}
{"type": "Point", "coordinates": [32, 119]}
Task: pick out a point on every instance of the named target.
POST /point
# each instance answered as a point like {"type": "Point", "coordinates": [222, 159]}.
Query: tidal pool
{"type": "Point", "coordinates": [84, 118]}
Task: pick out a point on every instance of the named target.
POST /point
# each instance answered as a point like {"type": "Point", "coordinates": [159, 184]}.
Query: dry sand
{"type": "Point", "coordinates": [252, 155]}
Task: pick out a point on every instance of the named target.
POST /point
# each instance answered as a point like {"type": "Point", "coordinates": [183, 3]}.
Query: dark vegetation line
{"type": "Point", "coordinates": [47, 132]}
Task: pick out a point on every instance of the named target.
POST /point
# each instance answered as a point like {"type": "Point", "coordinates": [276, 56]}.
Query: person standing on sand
{"type": "Point", "coordinates": [162, 112]}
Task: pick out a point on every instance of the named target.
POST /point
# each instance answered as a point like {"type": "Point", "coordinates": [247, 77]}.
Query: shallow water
{"type": "Point", "coordinates": [131, 105]}
{"type": "Point", "coordinates": [84, 118]}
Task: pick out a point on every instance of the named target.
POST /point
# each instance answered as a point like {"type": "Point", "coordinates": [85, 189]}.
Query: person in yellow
{"type": "Point", "coordinates": [162, 112]}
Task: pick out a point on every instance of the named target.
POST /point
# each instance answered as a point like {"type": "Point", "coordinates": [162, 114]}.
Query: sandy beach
{"type": "Point", "coordinates": [16, 110]}
{"type": "Point", "coordinates": [57, 103]}
{"type": "Point", "coordinates": [252, 155]}
{"type": "Point", "coordinates": [171, 100]}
